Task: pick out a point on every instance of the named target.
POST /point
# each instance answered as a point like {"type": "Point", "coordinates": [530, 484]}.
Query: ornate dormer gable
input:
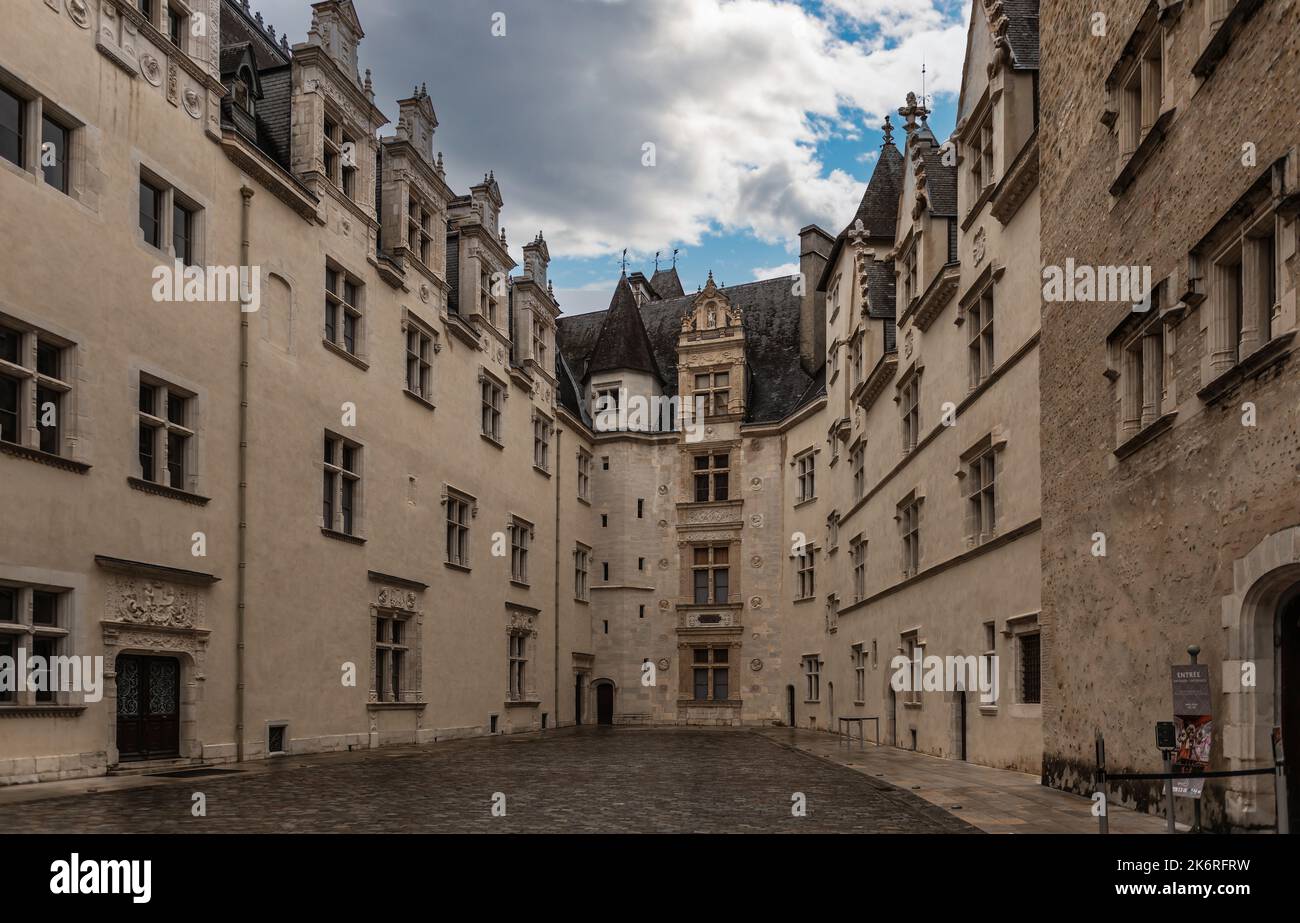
{"type": "Point", "coordinates": [537, 256]}
{"type": "Point", "coordinates": [711, 358]}
{"type": "Point", "coordinates": [416, 122]}
{"type": "Point", "coordinates": [486, 200]}
{"type": "Point", "coordinates": [711, 314]}
{"type": "Point", "coordinates": [333, 139]}
{"type": "Point", "coordinates": [336, 28]}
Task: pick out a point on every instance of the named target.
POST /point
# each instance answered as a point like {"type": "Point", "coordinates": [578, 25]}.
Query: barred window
{"type": "Point", "coordinates": [1030, 666]}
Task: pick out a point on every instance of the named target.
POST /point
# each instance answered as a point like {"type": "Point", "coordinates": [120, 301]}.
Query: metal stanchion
{"type": "Point", "coordinates": [1103, 825]}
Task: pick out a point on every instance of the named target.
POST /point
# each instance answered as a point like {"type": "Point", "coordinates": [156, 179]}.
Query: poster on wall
{"type": "Point", "coordinates": [1193, 725]}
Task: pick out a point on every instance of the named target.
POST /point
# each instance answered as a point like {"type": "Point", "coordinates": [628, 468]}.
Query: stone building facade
{"type": "Point", "coordinates": [1169, 429]}
{"type": "Point", "coordinates": [245, 500]}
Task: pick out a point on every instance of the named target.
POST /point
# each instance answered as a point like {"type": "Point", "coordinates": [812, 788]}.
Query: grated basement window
{"type": "Point", "coordinates": [1030, 676]}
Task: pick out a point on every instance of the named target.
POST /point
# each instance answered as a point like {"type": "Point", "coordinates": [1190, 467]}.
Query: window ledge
{"type": "Point", "coordinates": [542, 471]}
{"type": "Point", "coordinates": [465, 568]}
{"type": "Point", "coordinates": [395, 706]}
{"type": "Point", "coordinates": [41, 711]}
{"type": "Point", "coordinates": [1274, 351]}
{"type": "Point", "coordinates": [803, 599]}
{"type": "Point", "coordinates": [1145, 435]}
{"type": "Point", "coordinates": [418, 399]}
{"type": "Point", "coordinates": [988, 710]}
{"type": "Point", "coordinates": [344, 354]}
{"type": "Point", "coordinates": [1142, 153]}
{"type": "Point", "coordinates": [163, 490]}
{"type": "Point", "coordinates": [488, 439]}
{"type": "Point", "coordinates": [44, 458]}
{"type": "Point", "coordinates": [521, 583]}
{"type": "Point", "coordinates": [804, 502]}
{"type": "Point", "coordinates": [579, 599]}
{"type": "Point", "coordinates": [911, 704]}
{"type": "Point", "coordinates": [974, 211]}
{"type": "Point", "coordinates": [584, 501]}
{"type": "Point", "coordinates": [342, 536]}
{"type": "Point", "coordinates": [1217, 46]}
{"type": "Point", "coordinates": [461, 329]}
{"type": "Point", "coordinates": [523, 703]}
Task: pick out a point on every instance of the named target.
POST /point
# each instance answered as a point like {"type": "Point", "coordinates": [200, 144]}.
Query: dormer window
{"type": "Point", "coordinates": [340, 157]}
{"type": "Point", "coordinates": [242, 90]}
{"type": "Point", "coordinates": [419, 229]}
{"type": "Point", "coordinates": [177, 23]}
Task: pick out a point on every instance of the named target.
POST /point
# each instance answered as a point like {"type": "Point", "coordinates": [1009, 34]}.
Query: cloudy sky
{"type": "Point", "coordinates": [764, 116]}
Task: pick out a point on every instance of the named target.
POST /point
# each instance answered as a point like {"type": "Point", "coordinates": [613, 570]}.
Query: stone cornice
{"type": "Point", "coordinates": [155, 571]}
{"type": "Point", "coordinates": [1020, 179]}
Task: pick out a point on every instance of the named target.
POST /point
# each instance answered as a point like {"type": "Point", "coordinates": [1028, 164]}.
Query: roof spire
{"type": "Point", "coordinates": [657, 252]}
{"type": "Point", "coordinates": [625, 261]}
{"type": "Point", "coordinates": [674, 258]}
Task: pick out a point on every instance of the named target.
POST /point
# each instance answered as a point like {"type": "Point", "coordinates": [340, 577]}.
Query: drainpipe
{"type": "Point", "coordinates": [241, 581]}
{"type": "Point", "coordinates": [559, 468]}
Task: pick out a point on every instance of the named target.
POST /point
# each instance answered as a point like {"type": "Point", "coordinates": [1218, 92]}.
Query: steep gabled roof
{"type": "Point", "coordinates": [622, 342]}
{"type": "Point", "coordinates": [778, 384]}
{"type": "Point", "coordinates": [878, 210]}
{"type": "Point", "coordinates": [666, 284]}
{"type": "Point", "coordinates": [940, 183]}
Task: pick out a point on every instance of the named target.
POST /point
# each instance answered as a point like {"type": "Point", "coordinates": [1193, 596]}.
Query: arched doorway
{"type": "Point", "coordinates": [789, 706]}
{"type": "Point", "coordinates": [605, 704]}
{"type": "Point", "coordinates": [1288, 660]}
{"type": "Point", "coordinates": [1260, 619]}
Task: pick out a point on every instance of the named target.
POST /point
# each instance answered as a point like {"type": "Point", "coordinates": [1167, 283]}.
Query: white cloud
{"type": "Point", "coordinates": [735, 95]}
{"type": "Point", "coordinates": [776, 272]}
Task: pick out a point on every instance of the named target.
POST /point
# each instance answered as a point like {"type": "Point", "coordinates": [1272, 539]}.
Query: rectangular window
{"type": "Point", "coordinates": [711, 574]}
{"type": "Point", "coordinates": [13, 115]}
{"type": "Point", "coordinates": [805, 571]}
{"type": "Point", "coordinates": [419, 231]}
{"type": "Point", "coordinates": [342, 484]}
{"type": "Point", "coordinates": [714, 388]}
{"type": "Point", "coordinates": [915, 655]}
{"type": "Point", "coordinates": [859, 673]}
{"type": "Point", "coordinates": [858, 553]}
{"type": "Point", "coordinates": [54, 153]}
{"type": "Point", "coordinates": [584, 475]}
{"type": "Point", "coordinates": [910, 526]}
{"type": "Point", "coordinates": [392, 652]}
{"type": "Point", "coordinates": [518, 655]}
{"type": "Point", "coordinates": [520, 534]}
{"type": "Point", "coordinates": [1030, 676]}
{"type": "Point", "coordinates": [343, 311]}
{"type": "Point", "coordinates": [542, 443]}
{"type": "Point", "coordinates": [419, 365]}
{"type": "Point", "coordinates": [38, 613]}
{"type": "Point", "coordinates": [858, 462]}
{"type": "Point", "coordinates": [981, 509]}
{"type": "Point", "coordinates": [581, 572]}
{"type": "Point", "coordinates": [165, 434]}
{"type": "Point", "coordinates": [812, 670]}
{"type": "Point", "coordinates": [493, 398]}
{"type": "Point", "coordinates": [176, 26]}
{"type": "Point", "coordinates": [710, 674]}
{"type": "Point", "coordinates": [909, 401]}
{"type": "Point", "coordinates": [539, 341]}
{"type": "Point", "coordinates": [183, 233]}
{"type": "Point", "coordinates": [804, 467]}
{"type": "Point", "coordinates": [151, 198]}
{"type": "Point", "coordinates": [458, 513]}
{"type": "Point", "coordinates": [340, 150]}
{"type": "Point", "coordinates": [24, 383]}
{"type": "Point", "coordinates": [712, 476]}
{"type": "Point", "coordinates": [980, 345]}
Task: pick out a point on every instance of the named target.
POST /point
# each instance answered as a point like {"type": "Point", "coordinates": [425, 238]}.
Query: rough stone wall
{"type": "Point", "coordinates": [1183, 508]}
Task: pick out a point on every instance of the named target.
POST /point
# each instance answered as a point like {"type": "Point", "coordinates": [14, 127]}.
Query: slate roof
{"type": "Point", "coordinates": [879, 207]}
{"type": "Point", "coordinates": [881, 298]}
{"type": "Point", "coordinates": [940, 183]}
{"type": "Point", "coordinates": [622, 342]}
{"type": "Point", "coordinates": [778, 384]}
{"type": "Point", "coordinates": [240, 34]}
{"type": "Point", "coordinates": [1022, 32]}
{"type": "Point", "coordinates": [666, 284]}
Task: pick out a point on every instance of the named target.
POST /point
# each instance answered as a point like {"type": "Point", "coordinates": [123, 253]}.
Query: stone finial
{"type": "Point", "coordinates": [888, 129]}
{"type": "Point", "coordinates": [284, 41]}
{"type": "Point", "coordinates": [369, 86]}
{"type": "Point", "coordinates": [911, 111]}
{"type": "Point", "coordinates": [270, 30]}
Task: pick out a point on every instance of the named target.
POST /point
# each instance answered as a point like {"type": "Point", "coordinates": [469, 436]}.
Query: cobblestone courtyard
{"type": "Point", "coordinates": [583, 780]}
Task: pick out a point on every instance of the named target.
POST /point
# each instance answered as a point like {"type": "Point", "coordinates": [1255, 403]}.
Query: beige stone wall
{"type": "Point", "coordinates": [1183, 513]}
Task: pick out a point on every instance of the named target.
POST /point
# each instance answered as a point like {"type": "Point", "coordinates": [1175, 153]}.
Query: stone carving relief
{"type": "Point", "coordinates": [709, 516]}
{"type": "Point", "coordinates": [755, 483]}
{"type": "Point", "coordinates": [756, 521]}
{"type": "Point", "coordinates": [191, 102]}
{"type": "Point", "coordinates": [981, 244]}
{"type": "Point", "coordinates": [79, 12]}
{"type": "Point", "coordinates": [709, 537]}
{"type": "Point", "coordinates": [154, 603]}
{"type": "Point", "coordinates": [393, 598]}
{"type": "Point", "coordinates": [756, 602]}
{"type": "Point", "coordinates": [756, 561]}
{"type": "Point", "coordinates": [756, 664]}
{"type": "Point", "coordinates": [151, 69]}
{"type": "Point", "coordinates": [522, 622]}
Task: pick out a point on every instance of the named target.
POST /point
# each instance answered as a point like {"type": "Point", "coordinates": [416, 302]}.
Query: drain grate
{"type": "Point", "coordinates": [193, 773]}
